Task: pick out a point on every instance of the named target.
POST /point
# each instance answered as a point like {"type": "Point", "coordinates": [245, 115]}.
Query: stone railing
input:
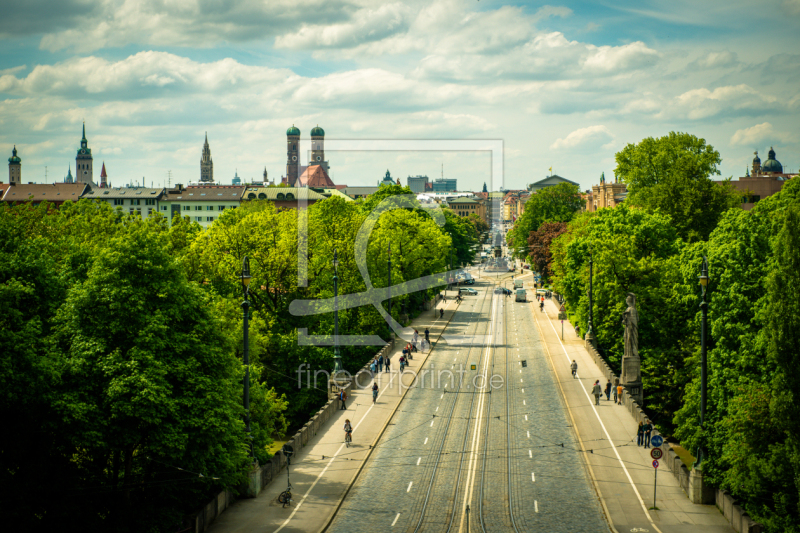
{"type": "Point", "coordinates": [264, 474]}
{"type": "Point", "coordinates": [692, 485]}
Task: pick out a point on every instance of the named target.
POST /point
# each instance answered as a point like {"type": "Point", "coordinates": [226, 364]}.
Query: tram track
{"type": "Point", "coordinates": [428, 504]}
{"type": "Point", "coordinates": [495, 434]}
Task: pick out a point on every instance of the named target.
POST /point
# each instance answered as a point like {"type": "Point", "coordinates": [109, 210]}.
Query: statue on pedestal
{"type": "Point", "coordinates": [631, 364]}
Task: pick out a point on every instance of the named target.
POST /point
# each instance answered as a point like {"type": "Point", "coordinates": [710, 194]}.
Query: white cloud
{"type": "Point", "coordinates": [366, 25]}
{"type": "Point", "coordinates": [589, 136]}
{"type": "Point", "coordinates": [734, 99]}
{"type": "Point", "coordinates": [713, 60]}
{"type": "Point", "coordinates": [757, 135]}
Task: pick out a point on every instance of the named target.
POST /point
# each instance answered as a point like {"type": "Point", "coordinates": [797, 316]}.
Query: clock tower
{"type": "Point", "coordinates": [83, 161]}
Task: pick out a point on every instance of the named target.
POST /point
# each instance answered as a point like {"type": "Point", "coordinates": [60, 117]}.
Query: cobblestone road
{"type": "Point", "coordinates": [550, 488]}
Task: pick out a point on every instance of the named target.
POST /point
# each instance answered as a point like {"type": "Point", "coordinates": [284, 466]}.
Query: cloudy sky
{"type": "Point", "coordinates": [563, 85]}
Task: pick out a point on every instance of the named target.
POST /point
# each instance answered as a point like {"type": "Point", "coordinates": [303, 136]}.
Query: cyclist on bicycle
{"type": "Point", "coordinates": [541, 307]}
{"type": "Point", "coordinates": [374, 392]}
{"type": "Point", "coordinates": [348, 430]}
{"type": "Point", "coordinates": [573, 367]}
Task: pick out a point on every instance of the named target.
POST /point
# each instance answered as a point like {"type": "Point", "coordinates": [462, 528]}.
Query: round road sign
{"type": "Point", "coordinates": [656, 453]}
{"type": "Point", "coordinates": [655, 463]}
{"type": "Point", "coordinates": [657, 440]}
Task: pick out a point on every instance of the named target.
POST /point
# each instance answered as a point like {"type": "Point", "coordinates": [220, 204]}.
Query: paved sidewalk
{"type": "Point", "coordinates": [622, 471]}
{"type": "Point", "coordinates": [323, 471]}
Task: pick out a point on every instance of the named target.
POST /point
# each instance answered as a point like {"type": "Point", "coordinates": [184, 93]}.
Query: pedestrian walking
{"type": "Point", "coordinates": [574, 367]}
{"type": "Point", "coordinates": [648, 429]}
{"type": "Point", "coordinates": [640, 434]}
{"type": "Point", "coordinates": [441, 313]}
{"type": "Point", "coordinates": [597, 391]}
{"type": "Point", "coordinates": [427, 335]}
{"type": "Point", "coordinates": [608, 390]}
{"type": "Point", "coordinates": [619, 394]}
{"type": "Point", "coordinates": [343, 399]}
{"type": "Point", "coordinates": [373, 367]}
{"type": "Point", "coordinates": [614, 389]}
{"type": "Point", "coordinates": [380, 363]}
{"type": "Point", "coordinates": [388, 362]}
{"type": "Point", "coordinates": [374, 392]}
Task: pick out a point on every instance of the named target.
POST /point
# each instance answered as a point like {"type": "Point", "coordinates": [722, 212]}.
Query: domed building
{"type": "Point", "coordinates": [762, 179]}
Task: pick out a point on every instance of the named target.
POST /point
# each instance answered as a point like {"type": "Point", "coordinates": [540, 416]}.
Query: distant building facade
{"type": "Point", "coordinates": [465, 206]}
{"type": "Point", "coordinates": [549, 181]}
{"type": "Point", "coordinates": [606, 194]}
{"type": "Point", "coordinates": [418, 184]}
{"type": "Point", "coordinates": [762, 180]}
{"type": "Point", "coordinates": [142, 201]}
{"type": "Point", "coordinates": [445, 185]}
{"type": "Point", "coordinates": [202, 204]}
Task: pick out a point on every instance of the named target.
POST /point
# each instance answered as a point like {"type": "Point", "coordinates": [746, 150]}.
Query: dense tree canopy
{"type": "Point", "coordinates": [671, 174]}
{"type": "Point", "coordinates": [558, 203]}
{"type": "Point", "coordinates": [121, 345]}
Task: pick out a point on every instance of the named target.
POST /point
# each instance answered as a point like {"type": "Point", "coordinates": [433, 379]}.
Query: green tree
{"type": "Point", "coordinates": [539, 245]}
{"type": "Point", "coordinates": [559, 203]}
{"type": "Point", "coordinates": [671, 174]}
{"type": "Point", "coordinates": [147, 380]}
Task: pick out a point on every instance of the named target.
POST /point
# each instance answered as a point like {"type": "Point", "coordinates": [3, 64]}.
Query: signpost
{"type": "Point", "coordinates": [657, 440]}
{"type": "Point", "coordinates": [655, 465]}
{"type": "Point", "coordinates": [656, 454]}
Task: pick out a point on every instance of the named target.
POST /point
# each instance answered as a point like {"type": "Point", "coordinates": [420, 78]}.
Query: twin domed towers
{"type": "Point", "coordinates": [293, 152]}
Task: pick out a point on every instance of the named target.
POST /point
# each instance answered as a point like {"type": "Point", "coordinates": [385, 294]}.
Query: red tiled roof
{"type": "Point", "coordinates": [315, 176]}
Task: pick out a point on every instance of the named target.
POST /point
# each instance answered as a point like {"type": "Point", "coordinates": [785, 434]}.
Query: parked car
{"type": "Point", "coordinates": [466, 290]}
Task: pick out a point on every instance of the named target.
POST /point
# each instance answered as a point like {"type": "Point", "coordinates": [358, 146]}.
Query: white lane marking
{"type": "Point", "coordinates": [613, 448]}
{"type": "Point", "coordinates": [530, 454]}
{"type": "Point", "coordinates": [395, 519]}
{"type": "Point", "coordinates": [520, 380]}
{"type": "Point", "coordinates": [431, 423]}
{"type": "Point", "coordinates": [437, 407]}
{"type": "Point", "coordinates": [535, 507]}
{"type": "Point", "coordinates": [523, 402]}
{"type": "Point", "coordinates": [418, 460]}
{"type": "Point", "coordinates": [533, 477]}
{"type": "Point", "coordinates": [442, 396]}
{"type": "Point", "coordinates": [523, 390]}
{"type": "Point", "coordinates": [526, 417]}
{"type": "Point", "coordinates": [445, 385]}
{"type": "Point", "coordinates": [426, 441]}
{"type": "Point", "coordinates": [409, 486]}
{"type": "Point", "coordinates": [472, 463]}
{"type": "Point", "coordinates": [520, 371]}
{"type": "Point", "coordinates": [529, 434]}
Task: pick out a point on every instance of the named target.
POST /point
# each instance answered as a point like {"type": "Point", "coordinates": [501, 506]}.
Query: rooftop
{"type": "Point", "coordinates": [54, 192]}
{"type": "Point", "coordinates": [123, 192]}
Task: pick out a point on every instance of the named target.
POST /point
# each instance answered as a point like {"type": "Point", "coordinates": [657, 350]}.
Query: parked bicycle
{"type": "Point", "coordinates": [285, 497]}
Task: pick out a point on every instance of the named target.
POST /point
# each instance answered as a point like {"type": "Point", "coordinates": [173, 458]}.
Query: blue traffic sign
{"type": "Point", "coordinates": [657, 440]}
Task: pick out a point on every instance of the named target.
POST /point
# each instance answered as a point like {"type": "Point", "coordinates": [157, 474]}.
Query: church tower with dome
{"type": "Point", "coordinates": [762, 180]}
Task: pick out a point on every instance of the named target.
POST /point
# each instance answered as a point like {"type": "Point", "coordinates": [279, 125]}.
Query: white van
{"type": "Point", "coordinates": [521, 295]}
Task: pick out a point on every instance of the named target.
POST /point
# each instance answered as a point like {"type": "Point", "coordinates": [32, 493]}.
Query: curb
{"type": "Point", "coordinates": [380, 434]}
{"type": "Point", "coordinates": [575, 428]}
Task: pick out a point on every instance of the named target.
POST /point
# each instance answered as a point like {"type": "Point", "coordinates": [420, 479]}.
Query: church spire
{"type": "Point", "coordinates": [84, 132]}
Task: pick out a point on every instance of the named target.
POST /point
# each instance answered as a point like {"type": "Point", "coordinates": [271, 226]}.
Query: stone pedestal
{"type": "Point", "coordinates": [254, 481]}
{"type": "Point", "coordinates": [631, 378]}
{"type": "Point", "coordinates": [699, 492]}
{"type": "Point", "coordinates": [590, 340]}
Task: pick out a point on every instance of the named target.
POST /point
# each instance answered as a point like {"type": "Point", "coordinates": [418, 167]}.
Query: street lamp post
{"type": "Point", "coordinates": [589, 330]}
{"type": "Point", "coordinates": [337, 357]}
{"type": "Point", "coordinates": [703, 363]}
{"type": "Point", "coordinates": [245, 277]}
{"type": "Point", "coordinates": [389, 286]}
